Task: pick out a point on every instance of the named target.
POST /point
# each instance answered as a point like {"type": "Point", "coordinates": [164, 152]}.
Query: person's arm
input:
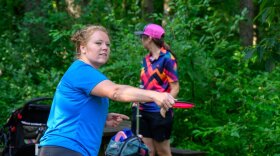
{"type": "Point", "coordinates": [174, 90]}
{"type": "Point", "coordinates": [125, 93]}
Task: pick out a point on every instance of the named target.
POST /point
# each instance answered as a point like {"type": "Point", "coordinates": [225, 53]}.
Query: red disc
{"type": "Point", "coordinates": [181, 104]}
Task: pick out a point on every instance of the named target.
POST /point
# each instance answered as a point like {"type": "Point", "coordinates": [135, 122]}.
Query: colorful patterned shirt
{"type": "Point", "coordinates": [156, 75]}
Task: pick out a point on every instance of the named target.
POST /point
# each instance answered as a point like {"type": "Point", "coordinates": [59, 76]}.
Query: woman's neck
{"type": "Point", "coordinates": [155, 52]}
{"type": "Point", "coordinates": [85, 60]}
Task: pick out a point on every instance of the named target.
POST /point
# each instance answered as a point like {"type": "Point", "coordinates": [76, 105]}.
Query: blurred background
{"type": "Point", "coordinates": [228, 56]}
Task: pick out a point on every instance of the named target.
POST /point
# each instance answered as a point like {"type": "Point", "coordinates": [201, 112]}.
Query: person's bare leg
{"type": "Point", "coordinates": [162, 148]}
{"type": "Point", "coordinates": [149, 142]}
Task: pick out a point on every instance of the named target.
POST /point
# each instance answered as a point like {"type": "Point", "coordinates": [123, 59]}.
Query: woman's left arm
{"type": "Point", "coordinates": [174, 88]}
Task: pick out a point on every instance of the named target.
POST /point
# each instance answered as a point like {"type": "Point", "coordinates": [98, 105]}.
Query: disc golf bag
{"type": "Point", "coordinates": [125, 143]}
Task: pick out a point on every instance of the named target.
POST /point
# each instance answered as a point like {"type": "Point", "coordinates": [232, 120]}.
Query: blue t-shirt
{"type": "Point", "coordinates": [77, 119]}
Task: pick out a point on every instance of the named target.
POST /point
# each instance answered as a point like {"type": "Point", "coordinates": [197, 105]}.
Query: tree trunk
{"type": "Point", "coordinates": [246, 26]}
{"type": "Point", "coordinates": [166, 10]}
{"type": "Point", "coordinates": [30, 5]}
{"type": "Point", "coordinates": [73, 9]}
{"type": "Point", "coordinates": [147, 10]}
{"type": "Point", "coordinates": [124, 8]}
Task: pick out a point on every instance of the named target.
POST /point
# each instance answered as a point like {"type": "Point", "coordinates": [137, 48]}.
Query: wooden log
{"type": "Point", "coordinates": [182, 152]}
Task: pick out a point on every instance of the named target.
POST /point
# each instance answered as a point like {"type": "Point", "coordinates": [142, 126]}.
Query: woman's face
{"type": "Point", "coordinates": [145, 41]}
{"type": "Point", "coordinates": [97, 49]}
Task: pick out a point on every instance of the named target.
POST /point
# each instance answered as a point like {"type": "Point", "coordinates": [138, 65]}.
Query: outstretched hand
{"type": "Point", "coordinates": [165, 100]}
{"type": "Point", "coordinates": [114, 119]}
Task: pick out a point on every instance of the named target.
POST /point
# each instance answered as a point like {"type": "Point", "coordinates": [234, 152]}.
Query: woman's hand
{"type": "Point", "coordinates": [135, 104]}
{"type": "Point", "coordinates": [114, 119]}
{"type": "Point", "coordinates": [164, 100]}
{"type": "Point", "coordinates": [163, 112]}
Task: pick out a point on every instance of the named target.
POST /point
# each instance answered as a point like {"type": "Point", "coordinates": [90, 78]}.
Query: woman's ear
{"type": "Point", "coordinates": [83, 49]}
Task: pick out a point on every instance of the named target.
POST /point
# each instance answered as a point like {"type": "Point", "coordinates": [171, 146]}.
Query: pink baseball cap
{"type": "Point", "coordinates": [153, 30]}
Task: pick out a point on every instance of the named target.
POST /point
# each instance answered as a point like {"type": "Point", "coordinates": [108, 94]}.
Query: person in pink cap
{"type": "Point", "coordinates": [158, 73]}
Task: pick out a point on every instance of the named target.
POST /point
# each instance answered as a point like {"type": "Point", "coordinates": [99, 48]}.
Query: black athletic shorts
{"type": "Point", "coordinates": [153, 125]}
{"type": "Point", "coordinates": [57, 151]}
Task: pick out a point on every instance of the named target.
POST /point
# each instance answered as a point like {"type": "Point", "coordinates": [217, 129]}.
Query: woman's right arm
{"type": "Point", "coordinates": [125, 93]}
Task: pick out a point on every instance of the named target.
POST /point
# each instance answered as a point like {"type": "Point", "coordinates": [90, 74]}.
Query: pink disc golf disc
{"type": "Point", "coordinates": [182, 104]}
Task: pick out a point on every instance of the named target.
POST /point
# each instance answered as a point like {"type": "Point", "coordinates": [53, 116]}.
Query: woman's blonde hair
{"type": "Point", "coordinates": [82, 36]}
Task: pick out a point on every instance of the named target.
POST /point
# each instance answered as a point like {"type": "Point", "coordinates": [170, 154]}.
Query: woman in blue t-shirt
{"type": "Point", "coordinates": [79, 109]}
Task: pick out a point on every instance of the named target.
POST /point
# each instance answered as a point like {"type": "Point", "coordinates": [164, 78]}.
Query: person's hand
{"type": "Point", "coordinates": [163, 112]}
{"type": "Point", "coordinates": [114, 119]}
{"type": "Point", "coordinates": [134, 104]}
{"type": "Point", "coordinates": [164, 100]}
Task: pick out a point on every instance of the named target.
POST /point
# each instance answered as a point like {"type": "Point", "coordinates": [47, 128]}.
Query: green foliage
{"type": "Point", "coordinates": [236, 104]}
{"type": "Point", "coordinates": [266, 54]}
{"type": "Point", "coordinates": [249, 121]}
{"type": "Point", "coordinates": [216, 77]}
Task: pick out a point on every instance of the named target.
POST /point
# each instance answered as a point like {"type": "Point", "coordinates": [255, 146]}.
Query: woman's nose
{"type": "Point", "coordinates": [105, 46]}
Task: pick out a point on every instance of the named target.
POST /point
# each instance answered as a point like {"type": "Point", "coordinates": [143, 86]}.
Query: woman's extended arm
{"type": "Point", "coordinates": [125, 93]}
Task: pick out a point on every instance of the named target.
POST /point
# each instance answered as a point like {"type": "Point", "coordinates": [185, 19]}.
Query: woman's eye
{"type": "Point", "coordinates": [98, 43]}
{"type": "Point", "coordinates": [108, 44]}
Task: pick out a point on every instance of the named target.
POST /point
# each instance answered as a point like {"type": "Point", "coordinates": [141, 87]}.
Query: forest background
{"type": "Point", "coordinates": [228, 59]}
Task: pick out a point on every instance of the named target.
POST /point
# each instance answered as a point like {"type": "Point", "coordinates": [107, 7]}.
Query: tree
{"type": "Point", "coordinates": [166, 11]}
{"type": "Point", "coordinates": [246, 26]}
{"type": "Point", "coordinates": [73, 9]}
{"type": "Point", "coordinates": [147, 10]}
{"type": "Point", "coordinates": [266, 54]}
